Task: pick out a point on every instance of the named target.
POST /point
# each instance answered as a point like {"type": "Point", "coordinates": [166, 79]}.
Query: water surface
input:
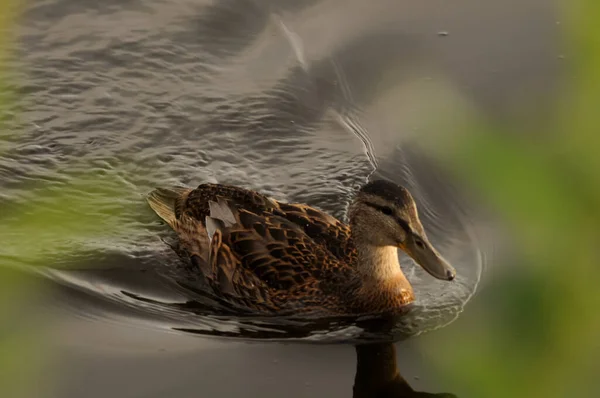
{"type": "Point", "coordinates": [301, 100]}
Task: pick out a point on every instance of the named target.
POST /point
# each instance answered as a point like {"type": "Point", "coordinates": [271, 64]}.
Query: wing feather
{"type": "Point", "coordinates": [257, 251]}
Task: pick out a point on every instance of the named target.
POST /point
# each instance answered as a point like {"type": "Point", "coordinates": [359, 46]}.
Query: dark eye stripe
{"type": "Point", "coordinates": [385, 210]}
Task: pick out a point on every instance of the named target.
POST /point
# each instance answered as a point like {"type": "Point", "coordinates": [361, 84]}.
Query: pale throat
{"type": "Point", "coordinates": [380, 264]}
{"type": "Point", "coordinates": [381, 275]}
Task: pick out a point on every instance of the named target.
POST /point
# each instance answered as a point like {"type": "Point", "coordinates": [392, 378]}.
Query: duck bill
{"type": "Point", "coordinates": [427, 257]}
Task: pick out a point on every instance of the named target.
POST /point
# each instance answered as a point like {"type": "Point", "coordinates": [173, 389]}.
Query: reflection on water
{"type": "Point", "coordinates": [378, 376]}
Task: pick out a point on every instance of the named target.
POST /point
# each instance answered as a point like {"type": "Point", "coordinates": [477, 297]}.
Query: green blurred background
{"type": "Point", "coordinates": [533, 331]}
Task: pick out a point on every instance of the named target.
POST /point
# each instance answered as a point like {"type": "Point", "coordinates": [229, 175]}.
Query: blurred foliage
{"type": "Point", "coordinates": [21, 346]}
{"type": "Point", "coordinates": [63, 219]}
{"type": "Point", "coordinates": [533, 332]}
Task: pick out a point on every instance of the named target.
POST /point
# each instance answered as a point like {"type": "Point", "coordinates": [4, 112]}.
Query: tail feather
{"type": "Point", "coordinates": [164, 201]}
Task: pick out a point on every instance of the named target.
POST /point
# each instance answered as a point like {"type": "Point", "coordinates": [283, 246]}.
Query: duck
{"type": "Point", "coordinates": [270, 257]}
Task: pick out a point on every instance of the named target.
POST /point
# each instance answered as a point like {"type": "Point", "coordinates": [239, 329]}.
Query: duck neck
{"type": "Point", "coordinates": [379, 263]}
{"type": "Point", "coordinates": [381, 274]}
{"type": "Point", "coordinates": [382, 284]}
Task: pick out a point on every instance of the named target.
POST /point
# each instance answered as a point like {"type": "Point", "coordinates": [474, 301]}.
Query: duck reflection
{"type": "Point", "coordinates": [377, 374]}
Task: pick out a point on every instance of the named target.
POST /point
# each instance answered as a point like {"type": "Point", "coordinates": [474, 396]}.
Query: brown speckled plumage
{"type": "Point", "coordinates": [272, 257]}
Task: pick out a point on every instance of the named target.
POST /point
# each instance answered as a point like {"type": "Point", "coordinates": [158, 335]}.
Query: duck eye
{"type": "Point", "coordinates": [386, 210]}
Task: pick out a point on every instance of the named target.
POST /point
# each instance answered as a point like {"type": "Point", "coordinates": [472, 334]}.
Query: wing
{"type": "Point", "coordinates": [195, 203]}
{"type": "Point", "coordinates": [322, 228]}
{"type": "Point", "coordinates": [255, 251]}
{"type": "Point", "coordinates": [265, 257]}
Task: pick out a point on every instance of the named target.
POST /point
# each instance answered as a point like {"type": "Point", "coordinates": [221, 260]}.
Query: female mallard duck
{"type": "Point", "coordinates": [273, 257]}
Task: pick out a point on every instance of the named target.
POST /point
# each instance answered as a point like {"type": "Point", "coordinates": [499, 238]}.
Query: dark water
{"type": "Point", "coordinates": [302, 100]}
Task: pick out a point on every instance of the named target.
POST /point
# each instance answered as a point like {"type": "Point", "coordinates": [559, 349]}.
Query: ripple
{"type": "Point", "coordinates": [111, 111]}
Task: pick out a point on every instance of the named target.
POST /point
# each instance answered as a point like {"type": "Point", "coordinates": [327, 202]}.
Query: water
{"type": "Point", "coordinates": [301, 100]}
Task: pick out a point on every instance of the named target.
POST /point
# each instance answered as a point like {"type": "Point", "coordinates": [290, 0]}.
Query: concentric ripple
{"type": "Point", "coordinates": [109, 111]}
